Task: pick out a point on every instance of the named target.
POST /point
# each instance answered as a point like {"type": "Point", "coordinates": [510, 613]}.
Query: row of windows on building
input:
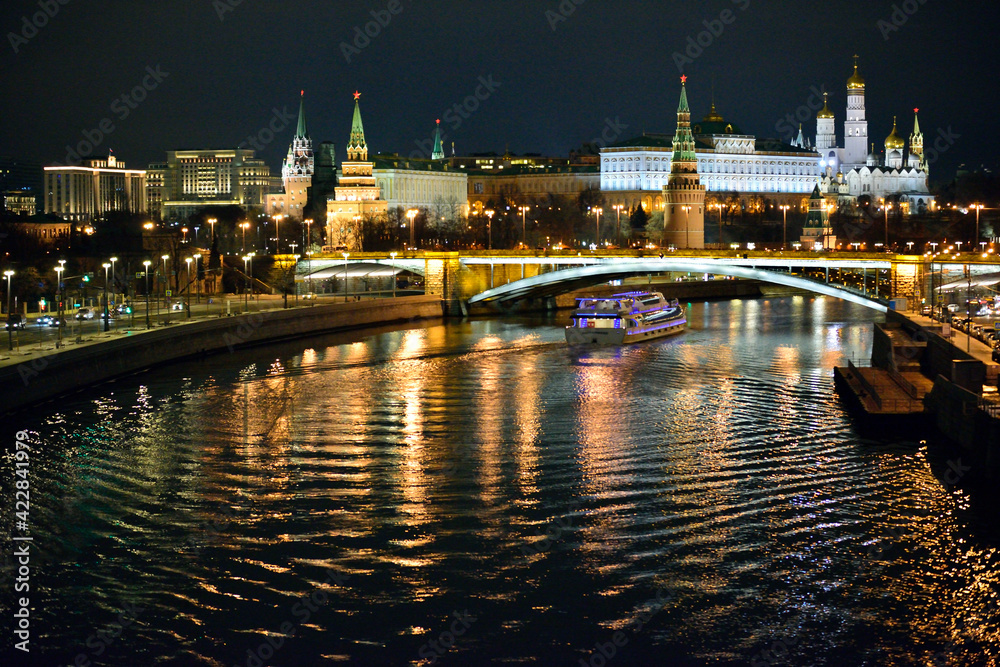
{"type": "Point", "coordinates": [725, 167]}
{"type": "Point", "coordinates": [724, 185]}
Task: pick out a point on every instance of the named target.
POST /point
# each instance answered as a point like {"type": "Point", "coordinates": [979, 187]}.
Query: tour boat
{"type": "Point", "coordinates": [629, 317]}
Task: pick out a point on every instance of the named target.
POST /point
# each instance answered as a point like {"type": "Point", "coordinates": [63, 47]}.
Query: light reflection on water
{"type": "Point", "coordinates": [485, 466]}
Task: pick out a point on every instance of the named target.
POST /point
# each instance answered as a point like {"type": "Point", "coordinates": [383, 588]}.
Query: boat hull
{"type": "Point", "coordinates": [594, 336]}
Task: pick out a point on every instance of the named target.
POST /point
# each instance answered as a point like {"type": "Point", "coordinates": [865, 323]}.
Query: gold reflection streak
{"type": "Point", "coordinates": [598, 421]}
{"type": "Point", "coordinates": [410, 386]}
{"type": "Point", "coordinates": [527, 406]}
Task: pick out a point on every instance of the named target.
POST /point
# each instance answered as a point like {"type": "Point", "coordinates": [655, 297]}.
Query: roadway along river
{"type": "Point", "coordinates": [478, 493]}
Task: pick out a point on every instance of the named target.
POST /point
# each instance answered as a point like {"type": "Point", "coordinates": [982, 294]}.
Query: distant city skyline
{"type": "Point", "coordinates": [531, 77]}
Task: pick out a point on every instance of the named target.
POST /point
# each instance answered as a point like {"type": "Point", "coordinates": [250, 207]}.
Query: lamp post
{"type": "Point", "coordinates": [978, 207]}
{"type": "Point", "coordinates": [253, 288]}
{"type": "Point", "coordinates": [146, 264]}
{"type": "Point", "coordinates": [411, 214]}
{"type": "Point", "coordinates": [687, 226]}
{"type": "Point", "coordinates": [244, 226]}
{"type": "Point", "coordinates": [113, 274]}
{"type": "Point", "coordinates": [184, 231]}
{"type": "Point", "coordinates": [489, 226]}
{"type": "Point", "coordinates": [719, 206]}
{"type": "Point", "coordinates": [309, 268]}
{"type": "Point", "coordinates": [346, 255]}
{"type": "Point", "coordinates": [166, 285]}
{"type": "Point", "coordinates": [618, 224]}
{"type": "Point", "coordinates": [197, 281]}
{"type": "Point", "coordinates": [524, 227]}
{"type": "Point", "coordinates": [307, 241]}
{"type": "Point", "coordinates": [187, 301]}
{"type": "Point", "coordinates": [886, 209]}
{"type": "Point", "coordinates": [59, 314]}
{"type": "Point", "coordinates": [107, 323]}
{"type": "Point", "coordinates": [392, 257]}
{"type": "Point", "coordinates": [10, 324]}
{"type": "Point", "coordinates": [597, 224]}
{"type": "Point", "coordinates": [246, 298]}
{"type": "Point", "coordinates": [295, 287]}
{"type": "Point", "coordinates": [277, 234]}
{"type": "Point", "coordinates": [784, 225]}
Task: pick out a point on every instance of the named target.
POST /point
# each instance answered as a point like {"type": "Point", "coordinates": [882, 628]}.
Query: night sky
{"type": "Point", "coordinates": [609, 67]}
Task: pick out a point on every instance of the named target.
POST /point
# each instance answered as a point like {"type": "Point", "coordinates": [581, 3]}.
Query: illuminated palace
{"type": "Point", "coordinates": [733, 163]}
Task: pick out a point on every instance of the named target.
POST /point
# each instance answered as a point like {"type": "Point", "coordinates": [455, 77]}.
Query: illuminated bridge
{"type": "Point", "coordinates": [504, 278]}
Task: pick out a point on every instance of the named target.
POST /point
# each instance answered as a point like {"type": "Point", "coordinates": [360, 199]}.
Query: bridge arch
{"type": "Point", "coordinates": [565, 280]}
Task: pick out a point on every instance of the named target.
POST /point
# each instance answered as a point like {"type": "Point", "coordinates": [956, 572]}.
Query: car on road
{"type": "Point", "coordinates": [926, 310]}
{"type": "Point", "coordinates": [44, 320]}
{"type": "Point", "coordinates": [124, 309]}
{"type": "Point", "coordinates": [57, 322]}
{"type": "Point", "coordinates": [177, 305]}
{"type": "Point", "coordinates": [84, 314]}
{"type": "Point", "coordinates": [15, 321]}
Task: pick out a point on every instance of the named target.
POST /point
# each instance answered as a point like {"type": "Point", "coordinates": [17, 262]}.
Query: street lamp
{"type": "Point", "coordinates": [184, 231]}
{"type": "Point", "coordinates": [784, 225]}
{"type": "Point", "coordinates": [618, 224]}
{"type": "Point", "coordinates": [886, 209]}
{"type": "Point", "coordinates": [295, 287]}
{"type": "Point", "coordinates": [10, 323]}
{"type": "Point", "coordinates": [392, 256]}
{"type": "Point", "coordinates": [309, 239]}
{"type": "Point", "coordinates": [687, 226]}
{"type": "Point", "coordinates": [107, 324]}
{"type": "Point", "coordinates": [524, 228]}
{"type": "Point", "coordinates": [146, 264]}
{"type": "Point", "coordinates": [59, 315]}
{"type": "Point", "coordinates": [245, 225]}
{"type": "Point", "coordinates": [411, 214]}
{"type": "Point", "coordinates": [489, 226]}
{"type": "Point", "coordinates": [166, 284]}
{"type": "Point", "coordinates": [246, 302]}
{"type": "Point", "coordinates": [197, 281]}
{"type": "Point", "coordinates": [309, 268]}
{"type": "Point", "coordinates": [187, 260]}
{"type": "Point", "coordinates": [597, 224]}
{"type": "Point", "coordinates": [211, 222]}
{"type": "Point", "coordinates": [346, 255]}
{"type": "Point", "coordinates": [277, 234]}
{"type": "Point", "coordinates": [978, 207]}
{"type": "Point", "coordinates": [719, 206]}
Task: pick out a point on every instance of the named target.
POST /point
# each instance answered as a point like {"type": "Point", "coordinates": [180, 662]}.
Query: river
{"type": "Point", "coordinates": [477, 492]}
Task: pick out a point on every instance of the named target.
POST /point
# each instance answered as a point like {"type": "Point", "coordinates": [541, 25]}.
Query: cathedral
{"type": "Point", "coordinates": [852, 174]}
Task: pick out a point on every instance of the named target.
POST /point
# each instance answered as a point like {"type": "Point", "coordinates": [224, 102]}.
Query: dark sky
{"type": "Point", "coordinates": [609, 64]}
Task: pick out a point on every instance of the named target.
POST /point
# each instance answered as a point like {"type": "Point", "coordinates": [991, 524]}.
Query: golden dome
{"type": "Point", "coordinates": [893, 142]}
{"type": "Point", "coordinates": [713, 116]}
{"type": "Point", "coordinates": [825, 111]}
{"type": "Point", "coordinates": [856, 82]}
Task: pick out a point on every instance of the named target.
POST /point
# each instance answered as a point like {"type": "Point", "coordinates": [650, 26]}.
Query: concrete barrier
{"type": "Point", "coordinates": [42, 377]}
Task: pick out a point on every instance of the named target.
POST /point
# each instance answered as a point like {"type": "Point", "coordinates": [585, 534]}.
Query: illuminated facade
{"type": "Point", "coordinates": [851, 172]}
{"type": "Point", "coordinates": [357, 194]}
{"type": "Point", "coordinates": [433, 185]}
{"type": "Point", "coordinates": [296, 173]}
{"type": "Point", "coordinates": [81, 194]}
{"type": "Point", "coordinates": [198, 178]}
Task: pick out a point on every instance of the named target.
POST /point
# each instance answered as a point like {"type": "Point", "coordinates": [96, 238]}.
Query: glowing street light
{"type": "Point", "coordinates": [978, 207]}
{"type": "Point", "coordinates": [10, 323]}
{"type": "Point", "coordinates": [886, 209]}
{"type": "Point", "coordinates": [246, 299]}
{"type": "Point", "coordinates": [211, 222]}
{"type": "Point", "coordinates": [277, 234]}
{"type": "Point", "coordinates": [107, 324]}
{"type": "Point", "coordinates": [597, 224]}
{"type": "Point", "coordinates": [187, 260]}
{"type": "Point", "coordinates": [346, 255]}
{"type": "Point", "coordinates": [184, 230]}
{"type": "Point", "coordinates": [392, 256]}
{"type": "Point", "coordinates": [524, 228]}
{"type": "Point", "coordinates": [489, 226]}
{"type": "Point", "coordinates": [146, 264]}
{"type": "Point", "coordinates": [411, 214]}
{"type": "Point", "coordinates": [245, 225]}
{"type": "Point", "coordinates": [687, 226]}
{"type": "Point", "coordinates": [59, 309]}
{"type": "Point", "coordinates": [307, 241]}
{"type": "Point", "coordinates": [197, 259]}
{"type": "Point", "coordinates": [784, 225]}
{"type": "Point", "coordinates": [166, 284]}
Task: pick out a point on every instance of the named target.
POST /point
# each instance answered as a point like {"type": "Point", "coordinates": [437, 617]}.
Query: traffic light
{"type": "Point", "coordinates": [86, 277]}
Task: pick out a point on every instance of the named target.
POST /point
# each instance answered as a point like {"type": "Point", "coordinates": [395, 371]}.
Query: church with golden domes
{"type": "Point", "coordinates": [853, 173]}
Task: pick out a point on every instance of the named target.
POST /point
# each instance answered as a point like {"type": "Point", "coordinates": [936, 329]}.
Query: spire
{"type": "Point", "coordinates": [800, 140]}
{"type": "Point", "coordinates": [438, 152]}
{"type": "Point", "coordinates": [683, 139]}
{"type": "Point", "coordinates": [916, 124]}
{"type": "Point", "coordinates": [357, 149]}
{"type": "Point", "coordinates": [300, 130]}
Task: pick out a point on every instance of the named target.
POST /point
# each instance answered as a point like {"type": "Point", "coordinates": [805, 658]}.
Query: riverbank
{"type": "Point", "coordinates": [34, 376]}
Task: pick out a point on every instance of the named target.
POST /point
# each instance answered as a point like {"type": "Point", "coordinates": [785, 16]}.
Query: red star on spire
{"type": "Point", "coordinates": [356, 94]}
{"type": "Point", "coordinates": [684, 78]}
{"type": "Point", "coordinates": [438, 121]}
{"type": "Point", "coordinates": [916, 111]}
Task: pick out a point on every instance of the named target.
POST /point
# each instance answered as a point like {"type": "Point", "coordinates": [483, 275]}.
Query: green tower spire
{"type": "Point", "coordinates": [357, 149]}
{"type": "Point", "coordinates": [438, 152]}
{"type": "Point", "coordinates": [683, 139]}
{"type": "Point", "coordinates": [300, 130]}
